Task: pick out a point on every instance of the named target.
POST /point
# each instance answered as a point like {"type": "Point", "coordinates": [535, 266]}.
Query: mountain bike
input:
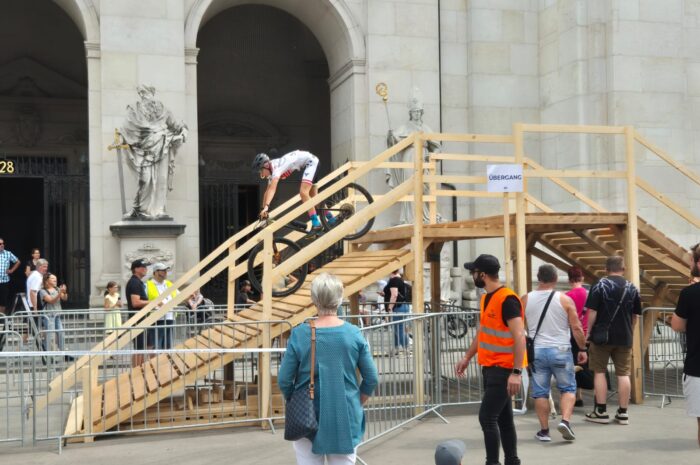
{"type": "Point", "coordinates": [332, 212]}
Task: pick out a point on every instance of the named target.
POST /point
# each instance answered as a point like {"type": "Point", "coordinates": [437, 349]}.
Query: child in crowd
{"type": "Point", "coordinates": [113, 304]}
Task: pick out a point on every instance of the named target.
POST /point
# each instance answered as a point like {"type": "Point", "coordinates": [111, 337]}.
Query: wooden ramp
{"type": "Point", "coordinates": [128, 395]}
{"type": "Point", "coordinates": [567, 239]}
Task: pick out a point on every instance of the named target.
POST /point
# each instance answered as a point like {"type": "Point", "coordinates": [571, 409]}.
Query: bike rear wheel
{"type": "Point", "coordinates": [456, 327]}
{"type": "Point", "coordinates": [283, 249]}
{"type": "Point", "coordinates": [337, 209]}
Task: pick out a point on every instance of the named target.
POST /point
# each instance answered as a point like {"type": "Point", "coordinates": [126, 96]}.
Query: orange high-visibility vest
{"type": "Point", "coordinates": [495, 339]}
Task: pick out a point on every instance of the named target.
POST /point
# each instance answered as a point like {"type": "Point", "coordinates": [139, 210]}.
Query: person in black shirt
{"type": "Point", "coordinates": [242, 298]}
{"type": "Point", "coordinates": [613, 304]}
{"type": "Point", "coordinates": [394, 297]}
{"type": "Point", "coordinates": [136, 299]}
{"type": "Point", "coordinates": [686, 319]}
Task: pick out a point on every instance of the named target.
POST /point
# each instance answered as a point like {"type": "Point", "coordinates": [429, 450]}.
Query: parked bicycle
{"type": "Point", "coordinates": [333, 212]}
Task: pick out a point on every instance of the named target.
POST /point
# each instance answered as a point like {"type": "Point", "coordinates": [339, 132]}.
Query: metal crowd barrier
{"type": "Point", "coordinates": [26, 373]}
{"type": "Point", "coordinates": [662, 367]}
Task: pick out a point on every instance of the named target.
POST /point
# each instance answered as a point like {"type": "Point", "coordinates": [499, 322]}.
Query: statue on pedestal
{"type": "Point", "coordinates": [395, 176]}
{"type": "Point", "coordinates": [152, 137]}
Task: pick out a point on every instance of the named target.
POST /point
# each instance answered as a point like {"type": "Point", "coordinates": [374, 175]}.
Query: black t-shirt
{"type": "Point", "coordinates": [511, 307]}
{"type": "Point", "coordinates": [134, 287]}
{"type": "Point", "coordinates": [687, 308]}
{"type": "Point", "coordinates": [241, 298]}
{"type": "Point", "coordinates": [603, 298]}
{"type": "Point", "coordinates": [398, 283]}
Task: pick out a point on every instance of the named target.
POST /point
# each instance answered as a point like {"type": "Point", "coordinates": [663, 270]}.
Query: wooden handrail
{"type": "Point", "coordinates": [571, 128]}
{"type": "Point", "coordinates": [667, 158]}
{"type": "Point", "coordinates": [682, 212]}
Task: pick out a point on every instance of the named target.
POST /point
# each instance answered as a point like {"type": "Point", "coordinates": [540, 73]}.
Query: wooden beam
{"type": "Point", "coordinates": [573, 128]}
{"type": "Point", "coordinates": [675, 207]}
{"type": "Point", "coordinates": [418, 258]}
{"type": "Point", "coordinates": [472, 157]}
{"type": "Point", "coordinates": [545, 173]}
{"type": "Point", "coordinates": [520, 210]}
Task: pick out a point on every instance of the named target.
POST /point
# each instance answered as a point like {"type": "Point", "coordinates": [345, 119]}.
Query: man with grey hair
{"type": "Point", "coordinates": [614, 307]}
{"type": "Point", "coordinates": [551, 319]}
{"type": "Point", "coordinates": [34, 282]}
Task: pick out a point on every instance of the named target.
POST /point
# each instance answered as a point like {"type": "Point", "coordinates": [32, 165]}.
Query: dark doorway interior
{"type": "Point", "coordinates": [224, 209]}
{"type": "Point", "coordinates": [21, 221]}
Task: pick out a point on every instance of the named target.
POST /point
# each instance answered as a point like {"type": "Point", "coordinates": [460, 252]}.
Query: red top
{"type": "Point", "coordinates": [578, 295]}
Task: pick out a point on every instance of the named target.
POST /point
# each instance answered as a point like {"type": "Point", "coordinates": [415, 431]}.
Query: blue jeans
{"type": "Point", "coordinates": [557, 361]}
{"type": "Point", "coordinates": [164, 334]}
{"type": "Point", "coordinates": [54, 326]}
{"type": "Point", "coordinates": [400, 338]}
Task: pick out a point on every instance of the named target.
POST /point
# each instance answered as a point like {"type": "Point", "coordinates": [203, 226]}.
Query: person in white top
{"type": "Point", "coordinates": [553, 349]}
{"type": "Point", "coordinates": [280, 168]}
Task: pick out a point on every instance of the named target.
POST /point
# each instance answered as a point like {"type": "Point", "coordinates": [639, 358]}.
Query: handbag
{"type": "Point", "coordinates": [299, 415]}
{"type": "Point", "coordinates": [530, 341]}
{"type": "Point", "coordinates": [600, 333]}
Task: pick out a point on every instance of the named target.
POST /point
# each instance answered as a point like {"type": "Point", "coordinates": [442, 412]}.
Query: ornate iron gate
{"type": "Point", "coordinates": [66, 220]}
{"type": "Point", "coordinates": [224, 208]}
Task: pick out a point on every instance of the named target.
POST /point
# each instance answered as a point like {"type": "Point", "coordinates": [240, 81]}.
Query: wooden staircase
{"type": "Point", "coordinates": [126, 396]}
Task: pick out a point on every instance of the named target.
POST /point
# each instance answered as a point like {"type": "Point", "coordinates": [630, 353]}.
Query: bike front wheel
{"type": "Point", "coordinates": [282, 249]}
{"type": "Point", "coordinates": [337, 209]}
{"type": "Point", "coordinates": [456, 327]}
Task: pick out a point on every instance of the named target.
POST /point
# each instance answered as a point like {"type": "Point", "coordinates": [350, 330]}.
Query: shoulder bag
{"type": "Point", "coordinates": [530, 341]}
{"type": "Point", "coordinates": [300, 416]}
{"type": "Point", "coordinates": [600, 333]}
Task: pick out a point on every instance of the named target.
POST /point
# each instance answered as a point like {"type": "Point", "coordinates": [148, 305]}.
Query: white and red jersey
{"type": "Point", "coordinates": [295, 161]}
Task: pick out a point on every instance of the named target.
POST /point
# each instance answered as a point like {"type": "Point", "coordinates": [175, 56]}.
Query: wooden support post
{"type": "Point", "coordinates": [632, 259]}
{"type": "Point", "coordinates": [231, 295]}
{"type": "Point", "coordinates": [520, 206]}
{"type": "Point", "coordinates": [264, 373]}
{"type": "Point", "coordinates": [434, 260]}
{"type": "Point", "coordinates": [418, 256]}
{"type": "Point", "coordinates": [89, 378]}
{"type": "Point", "coordinates": [432, 188]}
{"type": "Point", "coordinates": [506, 240]}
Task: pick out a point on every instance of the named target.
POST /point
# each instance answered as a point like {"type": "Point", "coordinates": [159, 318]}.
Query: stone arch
{"type": "Point", "coordinates": [343, 43]}
{"type": "Point", "coordinates": [84, 15]}
{"type": "Point", "coordinates": [330, 21]}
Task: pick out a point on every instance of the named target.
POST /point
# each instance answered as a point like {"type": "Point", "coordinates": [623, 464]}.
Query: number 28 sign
{"type": "Point", "coordinates": [7, 167]}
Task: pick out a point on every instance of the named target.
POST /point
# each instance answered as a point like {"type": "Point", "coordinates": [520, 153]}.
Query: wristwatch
{"type": "Point", "coordinates": [517, 371]}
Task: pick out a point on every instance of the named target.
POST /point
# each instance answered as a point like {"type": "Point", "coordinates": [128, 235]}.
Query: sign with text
{"type": "Point", "coordinates": [504, 178]}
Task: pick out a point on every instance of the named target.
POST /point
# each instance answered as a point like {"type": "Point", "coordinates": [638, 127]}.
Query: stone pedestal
{"type": "Point", "coordinates": [152, 241]}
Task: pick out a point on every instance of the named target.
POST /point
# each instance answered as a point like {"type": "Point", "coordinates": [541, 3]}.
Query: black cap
{"type": "Point", "coordinates": [450, 452]}
{"type": "Point", "coordinates": [138, 264]}
{"type": "Point", "coordinates": [484, 262]}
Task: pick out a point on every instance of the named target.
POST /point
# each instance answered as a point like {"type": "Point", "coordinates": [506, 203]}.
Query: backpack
{"type": "Point", "coordinates": [408, 298]}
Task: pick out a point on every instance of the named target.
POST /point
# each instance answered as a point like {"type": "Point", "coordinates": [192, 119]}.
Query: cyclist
{"type": "Point", "coordinates": [280, 168]}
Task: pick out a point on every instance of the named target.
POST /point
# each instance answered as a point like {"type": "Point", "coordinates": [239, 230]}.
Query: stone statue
{"type": "Point", "coordinates": [396, 176]}
{"type": "Point", "coordinates": [153, 136]}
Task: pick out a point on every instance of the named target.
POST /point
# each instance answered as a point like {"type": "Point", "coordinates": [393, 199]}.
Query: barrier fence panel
{"type": "Point", "coordinates": [13, 391]}
{"type": "Point", "coordinates": [662, 367]}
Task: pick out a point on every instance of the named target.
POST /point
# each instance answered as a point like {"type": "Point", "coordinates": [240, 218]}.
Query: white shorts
{"type": "Point", "coordinates": [691, 391]}
{"type": "Point", "coordinates": [310, 171]}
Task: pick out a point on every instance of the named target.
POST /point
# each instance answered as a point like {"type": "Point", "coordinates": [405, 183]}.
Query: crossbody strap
{"type": "Point", "coordinates": [312, 383]}
{"type": "Point", "coordinates": [619, 303]}
{"type": "Point", "coordinates": [544, 312]}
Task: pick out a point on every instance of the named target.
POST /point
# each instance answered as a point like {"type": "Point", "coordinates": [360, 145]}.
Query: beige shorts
{"type": "Point", "coordinates": [691, 391]}
{"type": "Point", "coordinates": [621, 357]}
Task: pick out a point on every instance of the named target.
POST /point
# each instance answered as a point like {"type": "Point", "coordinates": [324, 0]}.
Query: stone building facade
{"type": "Point", "coordinates": [249, 74]}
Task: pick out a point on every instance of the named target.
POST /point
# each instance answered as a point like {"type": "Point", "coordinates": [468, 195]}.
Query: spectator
{"type": "Point", "coordinates": [195, 314]}
{"type": "Point", "coordinates": [51, 295]}
{"type": "Point", "coordinates": [243, 299]}
{"type": "Point", "coordinates": [686, 319]}
{"type": "Point", "coordinates": [8, 265]}
{"type": "Point", "coordinates": [578, 294]}
{"type": "Point", "coordinates": [614, 307]}
{"type": "Point", "coordinates": [155, 287]}
{"type": "Point", "coordinates": [113, 305]}
{"type": "Point", "coordinates": [136, 299]}
{"type": "Point", "coordinates": [340, 351]}
{"type": "Point", "coordinates": [396, 290]}
{"type": "Point", "coordinates": [552, 349]}
{"type": "Point", "coordinates": [500, 345]}
{"type": "Point", "coordinates": [30, 265]}
{"type": "Point", "coordinates": [34, 284]}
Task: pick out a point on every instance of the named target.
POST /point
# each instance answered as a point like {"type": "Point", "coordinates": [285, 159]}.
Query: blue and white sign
{"type": "Point", "coordinates": [504, 178]}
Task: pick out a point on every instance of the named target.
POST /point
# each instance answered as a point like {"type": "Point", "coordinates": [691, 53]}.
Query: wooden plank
{"type": "Point", "coordinates": [74, 423]}
{"type": "Point", "coordinates": [111, 397]}
{"type": "Point", "coordinates": [484, 138]}
{"type": "Point", "coordinates": [657, 238]}
{"type": "Point", "coordinates": [137, 383]}
{"type": "Point", "coordinates": [179, 364]}
{"type": "Point", "coordinates": [96, 410]}
{"type": "Point", "coordinates": [683, 169]}
{"type": "Point", "coordinates": [572, 128]}
{"type": "Point", "coordinates": [164, 370]}
{"type": "Point", "coordinates": [472, 157]}
{"type": "Point", "coordinates": [150, 377]}
{"type": "Point", "coordinates": [682, 212]}
{"type": "Point", "coordinates": [551, 173]}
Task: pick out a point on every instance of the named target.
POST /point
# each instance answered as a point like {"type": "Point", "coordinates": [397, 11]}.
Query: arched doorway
{"type": "Point", "coordinates": [262, 83]}
{"type": "Point", "coordinates": [44, 133]}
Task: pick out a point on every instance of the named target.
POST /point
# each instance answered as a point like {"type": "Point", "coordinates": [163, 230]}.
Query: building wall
{"type": "Point", "coordinates": [481, 66]}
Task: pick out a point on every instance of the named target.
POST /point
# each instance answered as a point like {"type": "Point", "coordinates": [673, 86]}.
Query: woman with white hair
{"type": "Point", "coordinates": [340, 351]}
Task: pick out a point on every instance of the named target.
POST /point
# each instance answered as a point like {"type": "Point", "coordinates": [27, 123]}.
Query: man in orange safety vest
{"type": "Point", "coordinates": [500, 346]}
